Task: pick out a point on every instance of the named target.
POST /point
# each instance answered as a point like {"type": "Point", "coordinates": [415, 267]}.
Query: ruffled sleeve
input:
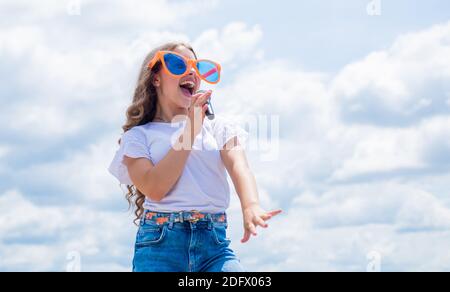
{"type": "Point", "coordinates": [133, 144]}
{"type": "Point", "coordinates": [225, 129]}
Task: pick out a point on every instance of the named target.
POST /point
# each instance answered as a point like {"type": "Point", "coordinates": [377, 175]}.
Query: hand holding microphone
{"type": "Point", "coordinates": [197, 112]}
{"type": "Point", "coordinates": [209, 111]}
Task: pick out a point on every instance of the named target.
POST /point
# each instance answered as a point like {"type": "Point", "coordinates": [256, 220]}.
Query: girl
{"type": "Point", "coordinates": [174, 163]}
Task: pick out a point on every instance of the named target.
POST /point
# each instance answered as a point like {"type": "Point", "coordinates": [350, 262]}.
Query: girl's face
{"type": "Point", "coordinates": [168, 87]}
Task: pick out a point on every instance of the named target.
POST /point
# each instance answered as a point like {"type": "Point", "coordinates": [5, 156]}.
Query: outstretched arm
{"type": "Point", "coordinates": [235, 161]}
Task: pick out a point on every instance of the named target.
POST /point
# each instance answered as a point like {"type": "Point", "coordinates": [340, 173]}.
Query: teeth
{"type": "Point", "coordinates": [190, 84]}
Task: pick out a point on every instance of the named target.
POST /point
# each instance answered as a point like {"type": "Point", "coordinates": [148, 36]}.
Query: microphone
{"type": "Point", "coordinates": [209, 111]}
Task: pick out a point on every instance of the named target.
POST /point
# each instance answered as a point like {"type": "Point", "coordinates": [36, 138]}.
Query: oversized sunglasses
{"type": "Point", "coordinates": [178, 66]}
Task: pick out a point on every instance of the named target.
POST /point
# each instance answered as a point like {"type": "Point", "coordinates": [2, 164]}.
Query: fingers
{"type": "Point", "coordinates": [270, 214]}
{"type": "Point", "coordinates": [274, 213]}
{"type": "Point", "coordinates": [261, 222]}
{"type": "Point", "coordinates": [246, 236]}
{"type": "Point", "coordinates": [203, 98]}
{"type": "Point", "coordinates": [257, 220]}
{"type": "Point", "coordinates": [250, 227]}
{"type": "Point", "coordinates": [266, 217]}
{"type": "Point", "coordinates": [194, 99]}
{"type": "Point", "coordinates": [202, 102]}
{"type": "Point", "coordinates": [204, 108]}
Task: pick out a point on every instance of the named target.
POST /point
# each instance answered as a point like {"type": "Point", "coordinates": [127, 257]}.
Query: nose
{"type": "Point", "coordinates": [192, 74]}
{"type": "Point", "coordinates": [192, 71]}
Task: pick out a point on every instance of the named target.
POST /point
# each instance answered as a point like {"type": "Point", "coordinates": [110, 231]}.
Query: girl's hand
{"type": "Point", "coordinates": [196, 112]}
{"type": "Point", "coordinates": [254, 215]}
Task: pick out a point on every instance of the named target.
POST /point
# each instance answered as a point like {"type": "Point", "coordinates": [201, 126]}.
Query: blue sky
{"type": "Point", "coordinates": [360, 166]}
{"type": "Point", "coordinates": [330, 33]}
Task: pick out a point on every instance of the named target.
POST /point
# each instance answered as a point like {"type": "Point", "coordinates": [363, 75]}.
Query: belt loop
{"type": "Point", "coordinates": [210, 221]}
{"type": "Point", "coordinates": [171, 220]}
{"type": "Point", "coordinates": [180, 213]}
{"type": "Point", "coordinates": [142, 221]}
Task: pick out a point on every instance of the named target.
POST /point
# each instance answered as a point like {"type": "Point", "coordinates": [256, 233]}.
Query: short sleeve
{"type": "Point", "coordinates": [133, 144]}
{"type": "Point", "coordinates": [224, 129]}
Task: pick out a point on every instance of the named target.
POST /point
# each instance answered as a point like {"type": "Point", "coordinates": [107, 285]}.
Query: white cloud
{"type": "Point", "coordinates": [38, 238]}
{"type": "Point", "coordinates": [4, 150]}
{"type": "Point", "coordinates": [81, 85]}
{"type": "Point", "coordinates": [337, 229]}
{"type": "Point", "coordinates": [319, 142]}
{"type": "Point", "coordinates": [16, 42]}
{"type": "Point", "coordinates": [115, 14]}
{"type": "Point", "coordinates": [381, 151]}
{"type": "Point", "coordinates": [149, 14]}
{"type": "Point", "coordinates": [68, 91]}
{"type": "Point", "coordinates": [234, 43]}
{"type": "Point", "coordinates": [83, 174]}
{"type": "Point", "coordinates": [43, 120]}
{"type": "Point", "coordinates": [398, 208]}
{"type": "Point", "coordinates": [388, 203]}
{"type": "Point", "coordinates": [348, 184]}
{"type": "Point", "coordinates": [409, 77]}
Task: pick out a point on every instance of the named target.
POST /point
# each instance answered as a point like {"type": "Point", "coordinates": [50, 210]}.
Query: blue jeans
{"type": "Point", "coordinates": [201, 246]}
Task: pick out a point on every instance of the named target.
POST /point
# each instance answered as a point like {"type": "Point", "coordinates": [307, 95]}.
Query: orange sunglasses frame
{"type": "Point", "coordinates": [189, 65]}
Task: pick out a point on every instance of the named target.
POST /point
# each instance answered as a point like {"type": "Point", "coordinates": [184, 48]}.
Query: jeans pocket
{"type": "Point", "coordinates": [219, 233]}
{"type": "Point", "coordinates": [150, 235]}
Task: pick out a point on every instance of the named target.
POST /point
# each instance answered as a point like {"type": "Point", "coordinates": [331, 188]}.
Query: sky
{"type": "Point", "coordinates": [359, 150]}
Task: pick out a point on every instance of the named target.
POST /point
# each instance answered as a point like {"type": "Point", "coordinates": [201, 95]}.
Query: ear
{"type": "Point", "coordinates": [156, 81]}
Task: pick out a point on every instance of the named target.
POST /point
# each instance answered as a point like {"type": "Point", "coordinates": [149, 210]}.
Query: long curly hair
{"type": "Point", "coordinates": [143, 110]}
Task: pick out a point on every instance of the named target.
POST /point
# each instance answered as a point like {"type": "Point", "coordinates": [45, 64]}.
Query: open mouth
{"type": "Point", "coordinates": [187, 87]}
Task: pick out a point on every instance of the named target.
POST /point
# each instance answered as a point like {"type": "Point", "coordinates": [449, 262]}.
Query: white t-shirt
{"type": "Point", "coordinates": [203, 185]}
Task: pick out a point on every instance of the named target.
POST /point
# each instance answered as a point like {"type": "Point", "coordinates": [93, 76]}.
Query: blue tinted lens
{"type": "Point", "coordinates": [175, 64]}
{"type": "Point", "coordinates": [208, 71]}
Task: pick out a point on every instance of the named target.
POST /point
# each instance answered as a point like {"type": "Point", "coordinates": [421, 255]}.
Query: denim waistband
{"type": "Point", "coordinates": [183, 216]}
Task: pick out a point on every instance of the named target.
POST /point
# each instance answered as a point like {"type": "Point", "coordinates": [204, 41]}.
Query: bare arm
{"type": "Point", "coordinates": [155, 181]}
{"type": "Point", "coordinates": [235, 161]}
